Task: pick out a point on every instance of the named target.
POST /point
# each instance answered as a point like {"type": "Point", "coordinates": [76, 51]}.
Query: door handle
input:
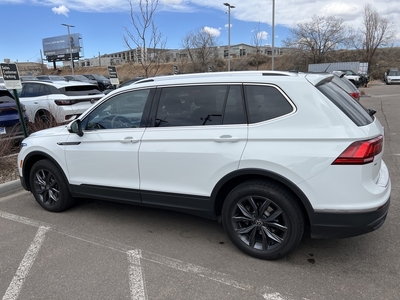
{"type": "Point", "coordinates": [129, 139]}
{"type": "Point", "coordinates": [226, 139]}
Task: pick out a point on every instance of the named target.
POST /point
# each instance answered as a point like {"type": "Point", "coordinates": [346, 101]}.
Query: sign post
{"type": "Point", "coordinates": [13, 82]}
{"type": "Point", "coordinates": [112, 72]}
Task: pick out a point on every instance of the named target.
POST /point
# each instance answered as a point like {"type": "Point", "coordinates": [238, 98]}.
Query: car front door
{"type": "Point", "coordinates": [198, 137]}
{"type": "Point", "coordinates": [104, 161]}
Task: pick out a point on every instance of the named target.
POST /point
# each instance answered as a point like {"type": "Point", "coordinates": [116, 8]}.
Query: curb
{"type": "Point", "coordinates": [9, 187]}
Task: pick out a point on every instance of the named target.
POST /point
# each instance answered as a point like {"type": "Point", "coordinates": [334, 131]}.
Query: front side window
{"type": "Point", "coordinates": [124, 110]}
{"type": "Point", "coordinates": [200, 105]}
{"type": "Point", "coordinates": [265, 103]}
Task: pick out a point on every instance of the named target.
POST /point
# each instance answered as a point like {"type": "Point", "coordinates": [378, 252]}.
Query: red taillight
{"type": "Point", "coordinates": [355, 95]}
{"type": "Point", "coordinates": [361, 152]}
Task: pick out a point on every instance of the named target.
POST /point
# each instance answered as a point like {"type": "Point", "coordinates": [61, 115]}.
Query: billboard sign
{"type": "Point", "coordinates": [60, 45]}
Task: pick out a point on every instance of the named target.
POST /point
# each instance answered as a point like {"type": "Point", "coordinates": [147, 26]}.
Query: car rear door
{"type": "Point", "coordinates": [198, 137]}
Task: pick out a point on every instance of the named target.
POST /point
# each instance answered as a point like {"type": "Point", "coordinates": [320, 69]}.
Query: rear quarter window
{"type": "Point", "coordinates": [265, 103]}
{"type": "Point", "coordinates": [346, 104]}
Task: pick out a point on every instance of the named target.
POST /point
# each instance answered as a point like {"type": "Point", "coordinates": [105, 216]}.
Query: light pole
{"type": "Point", "coordinates": [273, 33]}
{"type": "Point", "coordinates": [229, 34]}
{"type": "Point", "coordinates": [70, 47]}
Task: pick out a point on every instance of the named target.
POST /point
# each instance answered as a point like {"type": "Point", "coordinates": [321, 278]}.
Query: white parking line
{"type": "Point", "coordinates": [136, 282]}
{"type": "Point", "coordinates": [25, 265]}
{"type": "Point", "coordinates": [135, 258]}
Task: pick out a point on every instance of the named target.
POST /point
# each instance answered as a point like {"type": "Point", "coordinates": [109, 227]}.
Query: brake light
{"type": "Point", "coordinates": [355, 95]}
{"type": "Point", "coordinates": [65, 102]}
{"type": "Point", "coordinates": [361, 152]}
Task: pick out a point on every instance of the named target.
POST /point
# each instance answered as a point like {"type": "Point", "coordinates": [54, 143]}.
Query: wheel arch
{"type": "Point", "coordinates": [231, 180]}
{"type": "Point", "coordinates": [31, 159]}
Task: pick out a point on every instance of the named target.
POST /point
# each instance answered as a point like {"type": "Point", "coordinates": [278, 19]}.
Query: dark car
{"type": "Point", "coordinates": [130, 81]}
{"type": "Point", "coordinates": [102, 81]}
{"type": "Point", "coordinates": [10, 126]}
{"type": "Point", "coordinates": [80, 78]}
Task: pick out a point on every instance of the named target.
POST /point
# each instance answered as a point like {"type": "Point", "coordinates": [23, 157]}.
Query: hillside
{"type": "Point", "coordinates": [384, 59]}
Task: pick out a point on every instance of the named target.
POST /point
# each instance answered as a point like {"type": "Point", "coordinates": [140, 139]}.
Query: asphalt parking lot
{"type": "Point", "coordinates": [102, 250]}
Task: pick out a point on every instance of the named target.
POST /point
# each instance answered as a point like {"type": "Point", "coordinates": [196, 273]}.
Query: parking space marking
{"type": "Point", "coordinates": [135, 258]}
{"type": "Point", "coordinates": [23, 270]}
{"type": "Point", "coordinates": [136, 281]}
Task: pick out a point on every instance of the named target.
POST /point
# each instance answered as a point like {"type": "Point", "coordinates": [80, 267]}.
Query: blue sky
{"type": "Point", "coordinates": [101, 22]}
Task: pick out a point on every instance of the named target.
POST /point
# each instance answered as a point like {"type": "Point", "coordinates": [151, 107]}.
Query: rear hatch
{"type": "Point", "coordinates": [80, 97]}
{"type": "Point", "coordinates": [366, 152]}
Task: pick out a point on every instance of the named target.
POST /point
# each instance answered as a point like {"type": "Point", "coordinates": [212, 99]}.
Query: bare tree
{"type": "Point", "coordinates": [318, 37]}
{"type": "Point", "coordinates": [201, 48]}
{"type": "Point", "coordinates": [256, 39]}
{"type": "Point", "coordinates": [148, 41]}
{"type": "Point", "coordinates": [374, 32]}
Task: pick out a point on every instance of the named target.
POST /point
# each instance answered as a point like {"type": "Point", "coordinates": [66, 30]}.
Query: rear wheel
{"type": "Point", "coordinates": [44, 119]}
{"type": "Point", "coordinates": [263, 219]}
{"type": "Point", "coordinates": [49, 187]}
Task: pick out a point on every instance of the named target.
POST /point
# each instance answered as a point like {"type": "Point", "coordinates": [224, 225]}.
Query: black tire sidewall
{"type": "Point", "coordinates": [291, 211]}
{"type": "Point", "coordinates": [65, 199]}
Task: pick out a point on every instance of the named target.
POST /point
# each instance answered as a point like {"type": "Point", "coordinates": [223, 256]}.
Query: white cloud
{"type": "Point", "coordinates": [262, 35]}
{"type": "Point", "coordinates": [212, 31]}
{"type": "Point", "coordinates": [61, 10]}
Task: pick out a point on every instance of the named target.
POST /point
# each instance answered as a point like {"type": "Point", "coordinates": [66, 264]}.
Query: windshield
{"type": "Point", "coordinates": [394, 73]}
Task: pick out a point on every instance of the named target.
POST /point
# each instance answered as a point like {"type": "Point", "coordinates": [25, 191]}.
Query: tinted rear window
{"type": "Point", "coordinates": [81, 90]}
{"type": "Point", "coordinates": [346, 104]}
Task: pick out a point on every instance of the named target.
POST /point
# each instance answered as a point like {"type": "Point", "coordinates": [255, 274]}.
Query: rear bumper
{"type": "Point", "coordinates": [334, 226]}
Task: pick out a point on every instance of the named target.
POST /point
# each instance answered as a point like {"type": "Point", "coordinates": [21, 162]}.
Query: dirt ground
{"type": "Point", "coordinates": [8, 168]}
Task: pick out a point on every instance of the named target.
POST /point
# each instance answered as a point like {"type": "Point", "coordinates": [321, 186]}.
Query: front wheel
{"type": "Point", "coordinates": [263, 219]}
{"type": "Point", "coordinates": [49, 187]}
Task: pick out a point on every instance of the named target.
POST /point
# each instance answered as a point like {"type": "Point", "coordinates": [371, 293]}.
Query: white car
{"type": "Point", "coordinates": [392, 76]}
{"type": "Point", "coordinates": [61, 100]}
{"type": "Point", "coordinates": [274, 155]}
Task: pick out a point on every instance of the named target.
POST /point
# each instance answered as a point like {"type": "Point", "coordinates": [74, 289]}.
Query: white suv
{"type": "Point", "coordinates": [60, 100]}
{"type": "Point", "coordinates": [274, 155]}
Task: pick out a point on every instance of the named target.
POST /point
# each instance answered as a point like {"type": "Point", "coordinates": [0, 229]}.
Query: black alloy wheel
{"type": "Point", "coordinates": [263, 219]}
{"type": "Point", "coordinates": [49, 188]}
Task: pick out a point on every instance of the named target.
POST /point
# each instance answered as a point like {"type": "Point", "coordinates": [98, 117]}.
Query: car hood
{"type": "Point", "coordinates": [50, 131]}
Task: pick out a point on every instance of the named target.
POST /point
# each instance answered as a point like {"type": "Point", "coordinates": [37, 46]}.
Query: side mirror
{"type": "Point", "coordinates": [76, 127]}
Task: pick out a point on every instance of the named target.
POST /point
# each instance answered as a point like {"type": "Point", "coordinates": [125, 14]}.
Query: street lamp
{"type": "Point", "coordinates": [229, 34]}
{"type": "Point", "coordinates": [70, 47]}
{"type": "Point", "coordinates": [273, 33]}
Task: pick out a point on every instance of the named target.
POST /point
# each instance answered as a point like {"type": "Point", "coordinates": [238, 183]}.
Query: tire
{"type": "Point", "coordinates": [49, 187]}
{"type": "Point", "coordinates": [263, 219]}
{"type": "Point", "coordinates": [44, 118]}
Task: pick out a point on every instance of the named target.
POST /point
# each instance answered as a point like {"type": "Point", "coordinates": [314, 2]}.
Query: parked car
{"type": "Point", "coordinates": [130, 81]}
{"type": "Point", "coordinates": [61, 101]}
{"type": "Point", "coordinates": [102, 81]}
{"type": "Point", "coordinates": [27, 77]}
{"type": "Point", "coordinates": [80, 78]}
{"type": "Point", "coordinates": [274, 155]}
{"type": "Point", "coordinates": [357, 79]}
{"type": "Point", "coordinates": [392, 76]}
{"type": "Point", "coordinates": [10, 125]}
{"type": "Point", "coordinates": [347, 86]}
{"type": "Point", "coordinates": [50, 78]}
